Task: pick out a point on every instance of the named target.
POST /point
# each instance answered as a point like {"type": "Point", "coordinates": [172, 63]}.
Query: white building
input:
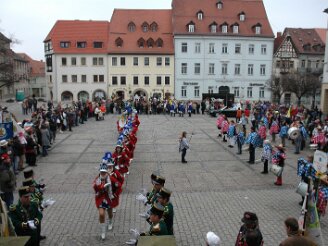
{"type": "Point", "coordinates": [222, 46]}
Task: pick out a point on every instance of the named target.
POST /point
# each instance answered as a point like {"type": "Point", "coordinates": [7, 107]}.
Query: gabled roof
{"type": "Point", "coordinates": [185, 11]}
{"type": "Point", "coordinates": [322, 33]}
{"type": "Point", "coordinates": [119, 29]}
{"type": "Point", "coordinates": [4, 38]}
{"type": "Point", "coordinates": [304, 40]}
{"type": "Point", "coordinates": [79, 30]}
{"type": "Point", "coordinates": [37, 68]}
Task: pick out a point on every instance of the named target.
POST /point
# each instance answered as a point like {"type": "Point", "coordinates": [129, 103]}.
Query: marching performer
{"type": "Point", "coordinates": [121, 159]}
{"type": "Point", "coordinates": [262, 132]}
{"type": "Point", "coordinates": [181, 109]}
{"type": "Point", "coordinates": [274, 129]}
{"type": "Point", "coordinates": [219, 123]}
{"type": "Point", "coordinates": [103, 188]}
{"type": "Point", "coordinates": [172, 109]}
{"type": "Point", "coordinates": [164, 199]}
{"type": "Point", "coordinates": [278, 158]}
{"type": "Point", "coordinates": [189, 108]}
{"type": "Point", "coordinates": [158, 226]}
{"type": "Point", "coordinates": [283, 134]}
{"type": "Point", "coordinates": [232, 134]}
{"type": "Point", "coordinates": [266, 155]}
{"type": "Point", "coordinates": [249, 232]}
{"type": "Point", "coordinates": [184, 145]}
{"type": "Point", "coordinates": [224, 127]}
{"type": "Point", "coordinates": [319, 138]}
{"type": "Point", "coordinates": [240, 139]}
{"type": "Point", "coordinates": [254, 141]}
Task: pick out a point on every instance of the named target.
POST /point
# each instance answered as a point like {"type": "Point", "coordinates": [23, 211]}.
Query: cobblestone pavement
{"type": "Point", "coordinates": [210, 192]}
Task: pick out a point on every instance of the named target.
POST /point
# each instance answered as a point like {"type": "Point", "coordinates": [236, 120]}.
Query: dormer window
{"type": "Point", "coordinates": [80, 44]}
{"type": "Point", "coordinates": [153, 27]}
{"type": "Point", "coordinates": [159, 43]}
{"type": "Point", "coordinates": [219, 5]}
{"type": "Point", "coordinates": [224, 27]}
{"type": "Point", "coordinates": [235, 28]}
{"type": "Point", "coordinates": [131, 27]}
{"type": "Point", "coordinates": [150, 43]}
{"type": "Point", "coordinates": [242, 16]}
{"type": "Point", "coordinates": [119, 42]}
{"type": "Point", "coordinates": [200, 15]}
{"type": "Point", "coordinates": [307, 47]}
{"type": "Point", "coordinates": [145, 27]}
{"type": "Point", "coordinates": [141, 43]}
{"type": "Point", "coordinates": [65, 44]}
{"type": "Point", "coordinates": [213, 27]}
{"type": "Point", "coordinates": [191, 26]}
{"type": "Point", "coordinates": [257, 28]}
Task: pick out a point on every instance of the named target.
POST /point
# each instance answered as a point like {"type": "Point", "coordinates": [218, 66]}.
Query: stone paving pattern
{"type": "Point", "coordinates": [210, 192]}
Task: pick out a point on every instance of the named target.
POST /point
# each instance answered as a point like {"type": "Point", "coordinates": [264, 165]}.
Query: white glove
{"type": "Point", "coordinates": [135, 233]}
{"type": "Point", "coordinates": [143, 191]}
{"type": "Point", "coordinates": [107, 184]}
{"type": "Point", "coordinates": [144, 215]}
{"type": "Point", "coordinates": [111, 197]}
{"type": "Point", "coordinates": [131, 242]}
{"type": "Point", "coordinates": [31, 224]}
{"type": "Point", "coordinates": [148, 207]}
{"type": "Point", "coordinates": [141, 197]}
{"type": "Point", "coordinates": [48, 202]}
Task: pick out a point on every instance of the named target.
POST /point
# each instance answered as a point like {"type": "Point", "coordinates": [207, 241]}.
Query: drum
{"type": "Point", "coordinates": [293, 133]}
{"type": "Point", "coordinates": [302, 188]}
{"type": "Point", "coordinates": [313, 146]}
{"type": "Point", "coordinates": [276, 170]}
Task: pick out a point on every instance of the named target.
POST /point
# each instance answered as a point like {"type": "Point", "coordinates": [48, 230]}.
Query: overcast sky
{"type": "Point", "coordinates": [31, 20]}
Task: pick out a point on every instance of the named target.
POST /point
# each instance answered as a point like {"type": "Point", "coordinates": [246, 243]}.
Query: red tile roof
{"type": "Point", "coordinates": [37, 68]}
{"type": "Point", "coordinates": [76, 30]}
{"type": "Point", "coordinates": [322, 33]}
{"type": "Point", "coordinates": [119, 29]}
{"type": "Point", "coordinates": [185, 11]}
{"type": "Point", "coordinates": [305, 40]}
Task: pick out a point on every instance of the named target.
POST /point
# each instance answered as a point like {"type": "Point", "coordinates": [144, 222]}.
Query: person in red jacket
{"type": "Point", "coordinates": [102, 186]}
{"type": "Point", "coordinates": [121, 159]}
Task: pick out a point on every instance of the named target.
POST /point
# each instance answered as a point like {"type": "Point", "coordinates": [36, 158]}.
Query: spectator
{"type": "Point", "coordinates": [7, 180]}
{"type": "Point", "coordinates": [45, 139]}
{"type": "Point", "coordinates": [212, 239]}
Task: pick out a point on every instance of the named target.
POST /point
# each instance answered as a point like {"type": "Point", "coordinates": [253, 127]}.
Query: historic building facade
{"type": "Point", "coordinates": [324, 89]}
{"type": "Point", "coordinates": [222, 46]}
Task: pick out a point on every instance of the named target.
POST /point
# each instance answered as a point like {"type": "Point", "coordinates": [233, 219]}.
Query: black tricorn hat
{"type": "Point", "coordinates": [164, 193]}
{"type": "Point", "coordinates": [23, 191]}
{"type": "Point", "coordinates": [159, 180]}
{"type": "Point", "coordinates": [249, 218]}
{"type": "Point", "coordinates": [28, 182]}
{"type": "Point", "coordinates": [157, 209]}
{"type": "Point", "coordinates": [28, 173]}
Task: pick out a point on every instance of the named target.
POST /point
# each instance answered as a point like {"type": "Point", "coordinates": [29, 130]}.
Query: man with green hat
{"type": "Point", "coordinates": [158, 226]}
{"type": "Point", "coordinates": [158, 182]}
{"type": "Point", "coordinates": [26, 217]}
{"type": "Point", "coordinates": [36, 195]}
{"type": "Point", "coordinates": [163, 197]}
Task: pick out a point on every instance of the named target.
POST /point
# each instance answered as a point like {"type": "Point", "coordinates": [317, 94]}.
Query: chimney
{"type": "Point", "coordinates": [279, 34]}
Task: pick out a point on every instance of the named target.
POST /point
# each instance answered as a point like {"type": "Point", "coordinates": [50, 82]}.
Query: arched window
{"type": "Point", "coordinates": [131, 27]}
{"type": "Point", "coordinates": [213, 27]}
{"type": "Point", "coordinates": [242, 16]}
{"type": "Point", "coordinates": [119, 42]}
{"type": "Point", "coordinates": [224, 27]}
{"type": "Point", "coordinates": [200, 15]}
{"type": "Point", "coordinates": [141, 43]}
{"type": "Point", "coordinates": [235, 28]}
{"type": "Point", "coordinates": [153, 27]}
{"type": "Point", "coordinates": [150, 43]}
{"type": "Point", "coordinates": [159, 42]}
{"type": "Point", "coordinates": [191, 26]}
{"type": "Point", "coordinates": [145, 27]}
{"type": "Point", "coordinates": [257, 28]}
{"type": "Point", "coordinates": [219, 5]}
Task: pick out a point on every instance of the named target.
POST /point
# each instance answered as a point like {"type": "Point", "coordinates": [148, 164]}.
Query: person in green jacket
{"type": "Point", "coordinates": [163, 198]}
{"type": "Point", "coordinates": [158, 226]}
{"type": "Point", "coordinates": [26, 217]}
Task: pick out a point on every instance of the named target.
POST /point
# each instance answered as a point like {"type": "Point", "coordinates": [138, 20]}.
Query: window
{"type": "Point", "coordinates": [251, 49]}
{"type": "Point", "coordinates": [81, 44]}
{"type": "Point", "coordinates": [114, 61]}
{"type": "Point", "coordinates": [74, 78]}
{"type": "Point", "coordinates": [224, 28]}
{"type": "Point", "coordinates": [309, 64]}
{"type": "Point", "coordinates": [100, 61]}
{"type": "Point", "coordinates": [153, 27]}
{"type": "Point", "coordinates": [263, 49]}
{"type": "Point", "coordinates": [219, 5]}
{"type": "Point", "coordinates": [200, 15]}
{"type": "Point", "coordinates": [167, 80]}
{"type": "Point", "coordinates": [101, 78]}
{"type": "Point", "coordinates": [196, 91]}
{"type": "Point", "coordinates": [83, 78]}
{"type": "Point", "coordinates": [141, 42]}
{"type": "Point", "coordinates": [167, 61]}
{"type": "Point", "coordinates": [146, 61]}
{"type": "Point", "coordinates": [146, 80]}
{"type": "Point", "coordinates": [158, 80]}
{"type": "Point", "coordinates": [131, 27]}
{"type": "Point", "coordinates": [197, 47]}
{"type": "Point", "coordinates": [191, 28]}
{"type": "Point", "coordinates": [291, 64]}
{"type": "Point", "coordinates": [135, 61]}
{"type": "Point", "coordinates": [114, 80]}
{"type": "Point", "coordinates": [73, 61]}
{"type": "Point", "coordinates": [250, 69]}
{"type": "Point", "coordinates": [159, 61]}
{"type": "Point", "coordinates": [135, 80]}
{"type": "Point", "coordinates": [184, 47]}
{"type": "Point", "coordinates": [224, 48]}
{"type": "Point", "coordinates": [197, 68]}
{"type": "Point", "coordinates": [159, 42]}
{"type": "Point", "coordinates": [183, 68]}
{"type": "Point", "coordinates": [122, 61]}
{"type": "Point", "coordinates": [236, 91]}
{"type": "Point", "coordinates": [64, 61]}
{"type": "Point", "coordinates": [123, 80]}
{"type": "Point", "coordinates": [65, 44]}
{"type": "Point", "coordinates": [210, 89]}
{"type": "Point", "coordinates": [262, 70]}
{"type": "Point", "coordinates": [183, 91]}
{"type": "Point", "coordinates": [317, 64]}
{"type": "Point", "coordinates": [97, 45]}
{"type": "Point", "coordinates": [95, 78]}
{"type": "Point", "coordinates": [224, 69]}
{"type": "Point", "coordinates": [211, 48]}
{"type": "Point", "coordinates": [150, 43]}
{"type": "Point", "coordinates": [64, 78]}
{"type": "Point", "coordinates": [237, 48]}
{"type": "Point", "coordinates": [119, 42]}
{"type": "Point", "coordinates": [249, 92]}
{"type": "Point", "coordinates": [211, 68]}
{"type": "Point", "coordinates": [145, 27]}
{"type": "Point", "coordinates": [49, 63]}
{"type": "Point", "coordinates": [237, 69]}
{"type": "Point", "coordinates": [214, 28]}
{"type": "Point", "coordinates": [83, 61]}
{"type": "Point", "coordinates": [261, 92]}
{"type": "Point", "coordinates": [278, 64]}
{"type": "Point", "coordinates": [95, 61]}
{"type": "Point", "coordinates": [235, 29]}
{"type": "Point", "coordinates": [242, 16]}
{"type": "Point", "coordinates": [257, 30]}
{"type": "Point", "coordinates": [303, 63]}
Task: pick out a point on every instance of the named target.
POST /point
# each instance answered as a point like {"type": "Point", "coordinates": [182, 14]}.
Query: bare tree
{"type": "Point", "coordinates": [277, 85]}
